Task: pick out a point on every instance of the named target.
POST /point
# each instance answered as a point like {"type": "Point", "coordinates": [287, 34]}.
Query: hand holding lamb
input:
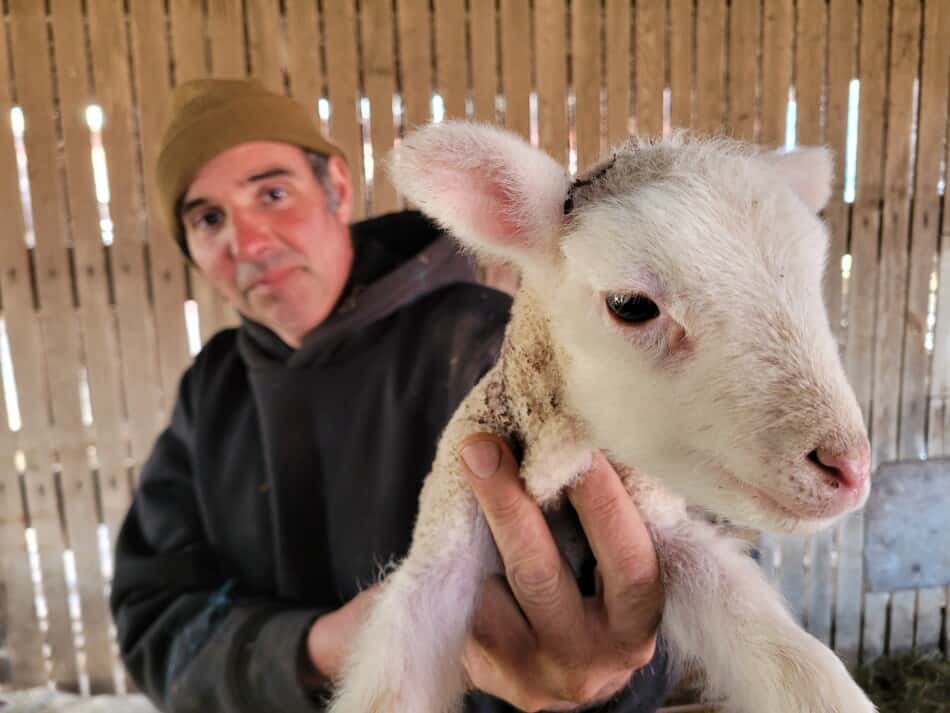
{"type": "Point", "coordinates": [671, 316]}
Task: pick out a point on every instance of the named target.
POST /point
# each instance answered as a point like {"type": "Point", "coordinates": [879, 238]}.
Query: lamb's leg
{"type": "Point", "coordinates": [723, 615]}
{"type": "Point", "coordinates": [407, 657]}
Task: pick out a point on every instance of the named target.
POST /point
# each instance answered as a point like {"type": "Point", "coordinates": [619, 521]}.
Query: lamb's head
{"type": "Point", "coordinates": [683, 281]}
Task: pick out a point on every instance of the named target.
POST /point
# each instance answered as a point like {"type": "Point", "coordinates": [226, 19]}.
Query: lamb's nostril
{"type": "Point", "coordinates": [849, 469]}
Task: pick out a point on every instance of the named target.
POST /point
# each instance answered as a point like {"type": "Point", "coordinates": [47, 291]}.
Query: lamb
{"type": "Point", "coordinates": [671, 315]}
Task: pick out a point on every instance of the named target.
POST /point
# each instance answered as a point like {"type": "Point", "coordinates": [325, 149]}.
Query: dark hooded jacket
{"type": "Point", "coordinates": [287, 478]}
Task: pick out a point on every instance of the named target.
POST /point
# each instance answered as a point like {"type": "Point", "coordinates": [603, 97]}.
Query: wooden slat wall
{"type": "Point", "coordinates": [80, 314]}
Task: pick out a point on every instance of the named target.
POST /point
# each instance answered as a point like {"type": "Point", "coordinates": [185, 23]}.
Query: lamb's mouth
{"type": "Point", "coordinates": [797, 518]}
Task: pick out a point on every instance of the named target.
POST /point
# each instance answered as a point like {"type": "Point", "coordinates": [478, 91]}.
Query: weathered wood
{"type": "Point", "coordinates": [343, 92]}
{"type": "Point", "coordinates": [892, 275]}
{"type": "Point", "coordinates": [550, 33]}
{"type": "Point", "coordinates": [415, 62]}
{"type": "Point", "coordinates": [859, 349]}
{"type": "Point", "coordinates": [24, 638]}
{"type": "Point", "coordinates": [61, 338]}
{"type": "Point", "coordinates": [650, 64]}
{"type": "Point", "coordinates": [100, 341]}
{"type": "Point", "coordinates": [745, 21]}
{"type": "Point", "coordinates": [777, 28]}
{"type": "Point", "coordinates": [586, 80]}
{"type": "Point", "coordinates": [710, 66]}
{"type": "Point", "coordinates": [484, 40]}
{"type": "Point", "coordinates": [682, 57]}
{"type": "Point", "coordinates": [451, 59]}
{"type": "Point", "coordinates": [516, 65]}
{"type": "Point", "coordinates": [111, 77]}
{"type": "Point", "coordinates": [167, 268]}
{"type": "Point", "coordinates": [226, 35]}
{"type": "Point", "coordinates": [265, 42]}
{"type": "Point", "coordinates": [933, 118]}
{"type": "Point", "coordinates": [929, 619]}
{"type": "Point", "coordinates": [903, 552]}
{"type": "Point", "coordinates": [191, 61]}
{"type": "Point", "coordinates": [842, 67]}
{"type": "Point", "coordinates": [303, 52]}
{"type": "Point", "coordinates": [618, 69]}
{"type": "Point", "coordinates": [379, 82]}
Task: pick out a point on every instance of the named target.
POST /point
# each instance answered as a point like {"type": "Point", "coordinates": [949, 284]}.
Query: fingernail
{"type": "Point", "coordinates": [482, 458]}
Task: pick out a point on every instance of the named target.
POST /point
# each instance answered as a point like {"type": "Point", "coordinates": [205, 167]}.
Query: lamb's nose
{"type": "Point", "coordinates": [851, 469]}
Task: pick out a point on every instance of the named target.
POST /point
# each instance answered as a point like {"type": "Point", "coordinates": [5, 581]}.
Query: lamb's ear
{"type": "Point", "coordinates": [488, 187]}
{"type": "Point", "coordinates": [809, 170]}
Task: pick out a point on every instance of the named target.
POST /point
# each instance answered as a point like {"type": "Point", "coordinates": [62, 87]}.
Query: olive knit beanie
{"type": "Point", "coordinates": [209, 116]}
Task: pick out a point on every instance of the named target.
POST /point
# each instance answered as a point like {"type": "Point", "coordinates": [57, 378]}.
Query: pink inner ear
{"type": "Point", "coordinates": [483, 201]}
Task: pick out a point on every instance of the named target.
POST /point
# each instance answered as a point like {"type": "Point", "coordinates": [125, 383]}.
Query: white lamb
{"type": "Point", "coordinates": [671, 315]}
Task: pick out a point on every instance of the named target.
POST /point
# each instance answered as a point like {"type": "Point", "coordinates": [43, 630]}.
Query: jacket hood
{"type": "Point", "coordinates": [398, 259]}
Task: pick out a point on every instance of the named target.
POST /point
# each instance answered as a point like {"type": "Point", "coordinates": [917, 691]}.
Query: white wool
{"type": "Point", "coordinates": [717, 402]}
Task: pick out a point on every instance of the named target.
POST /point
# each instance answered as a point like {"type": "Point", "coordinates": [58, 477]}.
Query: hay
{"type": "Point", "coordinates": [908, 684]}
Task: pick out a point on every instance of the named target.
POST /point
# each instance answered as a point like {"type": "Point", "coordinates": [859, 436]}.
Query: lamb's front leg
{"type": "Point", "coordinates": [722, 614]}
{"type": "Point", "coordinates": [407, 656]}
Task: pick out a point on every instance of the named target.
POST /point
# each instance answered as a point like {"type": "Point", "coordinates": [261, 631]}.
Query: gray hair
{"type": "Point", "coordinates": [319, 165]}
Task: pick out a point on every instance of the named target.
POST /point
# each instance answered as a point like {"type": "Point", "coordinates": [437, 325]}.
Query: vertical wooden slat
{"type": "Point", "coordinates": [650, 65]}
{"type": "Point", "coordinates": [892, 273]}
{"type": "Point", "coordinates": [265, 43]}
{"type": "Point", "coordinates": [842, 42]}
{"type": "Point", "coordinates": [744, 29]}
{"type": "Point", "coordinates": [618, 28]}
{"type": "Point", "coordinates": [379, 81]}
{"type": "Point", "coordinates": [682, 59]}
{"type": "Point", "coordinates": [710, 65]}
{"type": "Point", "coordinates": [190, 62]}
{"type": "Point", "coordinates": [96, 315]}
{"type": "Point", "coordinates": [451, 58]}
{"type": "Point", "coordinates": [516, 65]}
{"type": "Point", "coordinates": [303, 52]}
{"type": "Point", "coordinates": [777, 27]}
{"type": "Point", "coordinates": [415, 62]}
{"type": "Point", "coordinates": [24, 638]}
{"type": "Point", "coordinates": [932, 122]}
{"type": "Point", "coordinates": [586, 80]}
{"type": "Point", "coordinates": [483, 36]}
{"type": "Point", "coordinates": [810, 54]}
{"type": "Point", "coordinates": [137, 335]}
{"type": "Point", "coordinates": [61, 338]}
{"type": "Point", "coordinates": [550, 35]}
{"type": "Point", "coordinates": [150, 57]}
{"type": "Point", "coordinates": [343, 92]}
{"type": "Point", "coordinates": [226, 34]}
{"type": "Point", "coordinates": [861, 306]}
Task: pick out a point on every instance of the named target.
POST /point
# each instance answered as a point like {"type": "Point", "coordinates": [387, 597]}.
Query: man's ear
{"type": "Point", "coordinates": [809, 170]}
{"type": "Point", "coordinates": [488, 187]}
{"type": "Point", "coordinates": [339, 173]}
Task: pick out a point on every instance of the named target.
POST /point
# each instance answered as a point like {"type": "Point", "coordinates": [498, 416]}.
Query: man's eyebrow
{"type": "Point", "coordinates": [268, 174]}
{"type": "Point", "coordinates": [191, 205]}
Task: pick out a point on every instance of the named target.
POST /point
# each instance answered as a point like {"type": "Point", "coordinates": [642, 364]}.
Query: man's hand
{"type": "Point", "coordinates": [330, 636]}
{"type": "Point", "coordinates": [535, 641]}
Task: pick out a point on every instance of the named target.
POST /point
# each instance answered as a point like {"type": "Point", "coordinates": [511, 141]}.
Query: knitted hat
{"type": "Point", "coordinates": [209, 116]}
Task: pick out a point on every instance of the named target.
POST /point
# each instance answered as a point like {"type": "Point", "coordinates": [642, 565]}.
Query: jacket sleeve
{"type": "Point", "coordinates": [188, 638]}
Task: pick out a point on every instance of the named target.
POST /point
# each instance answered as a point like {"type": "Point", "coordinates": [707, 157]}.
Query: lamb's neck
{"type": "Point", "coordinates": [532, 367]}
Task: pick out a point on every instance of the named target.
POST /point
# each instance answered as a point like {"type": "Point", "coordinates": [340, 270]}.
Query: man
{"type": "Point", "coordinates": [289, 474]}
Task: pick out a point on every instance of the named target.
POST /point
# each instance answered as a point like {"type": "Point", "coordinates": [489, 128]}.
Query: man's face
{"type": "Point", "coordinates": [259, 227]}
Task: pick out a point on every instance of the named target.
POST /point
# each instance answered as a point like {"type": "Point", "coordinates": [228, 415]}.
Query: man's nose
{"type": "Point", "coordinates": [249, 237]}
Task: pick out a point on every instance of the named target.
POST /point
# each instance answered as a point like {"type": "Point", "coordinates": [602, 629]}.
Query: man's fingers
{"type": "Point", "coordinates": [626, 559]}
{"type": "Point", "coordinates": [540, 580]}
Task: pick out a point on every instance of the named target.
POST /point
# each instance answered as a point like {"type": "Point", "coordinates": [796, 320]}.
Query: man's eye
{"type": "Point", "coordinates": [272, 195]}
{"type": "Point", "coordinates": [208, 219]}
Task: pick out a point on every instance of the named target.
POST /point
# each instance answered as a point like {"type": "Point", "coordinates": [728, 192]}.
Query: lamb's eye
{"type": "Point", "coordinates": [634, 309]}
